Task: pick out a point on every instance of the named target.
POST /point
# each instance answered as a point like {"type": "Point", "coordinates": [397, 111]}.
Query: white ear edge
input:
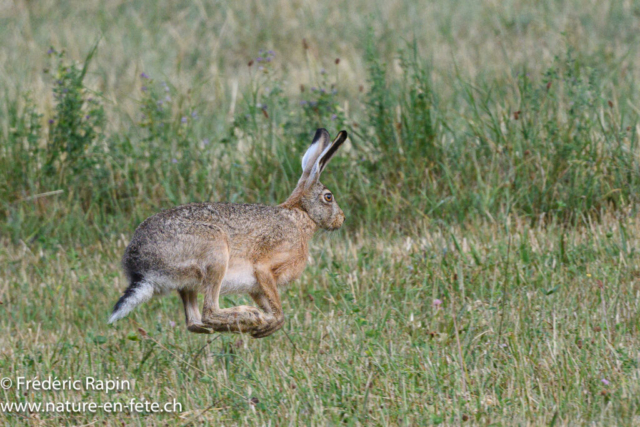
{"type": "Point", "coordinates": [315, 172]}
{"type": "Point", "coordinates": [312, 153]}
{"type": "Point", "coordinates": [321, 140]}
{"type": "Point", "coordinates": [323, 159]}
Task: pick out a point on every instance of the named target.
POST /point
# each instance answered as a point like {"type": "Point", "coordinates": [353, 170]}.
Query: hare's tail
{"type": "Point", "coordinates": [139, 291]}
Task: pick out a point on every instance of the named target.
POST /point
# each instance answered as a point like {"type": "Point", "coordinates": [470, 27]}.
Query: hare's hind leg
{"type": "Point", "coordinates": [268, 299]}
{"type": "Point", "coordinates": [236, 319]}
{"type": "Point", "coordinates": [192, 313]}
{"type": "Point", "coordinates": [240, 319]}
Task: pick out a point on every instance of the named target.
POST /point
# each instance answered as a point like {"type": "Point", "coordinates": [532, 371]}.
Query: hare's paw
{"type": "Point", "coordinates": [243, 318]}
{"type": "Point", "coordinates": [199, 328]}
{"type": "Point", "coordinates": [274, 323]}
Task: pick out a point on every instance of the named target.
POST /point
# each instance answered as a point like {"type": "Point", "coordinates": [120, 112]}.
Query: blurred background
{"type": "Point", "coordinates": [456, 110]}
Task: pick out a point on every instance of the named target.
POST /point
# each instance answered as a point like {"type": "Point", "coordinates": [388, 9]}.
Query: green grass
{"type": "Point", "coordinates": [436, 130]}
{"type": "Point", "coordinates": [531, 322]}
{"type": "Point", "coordinates": [492, 164]}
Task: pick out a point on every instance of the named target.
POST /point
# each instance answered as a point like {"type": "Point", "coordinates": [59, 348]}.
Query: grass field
{"type": "Point", "coordinates": [534, 326]}
{"type": "Point", "coordinates": [487, 272]}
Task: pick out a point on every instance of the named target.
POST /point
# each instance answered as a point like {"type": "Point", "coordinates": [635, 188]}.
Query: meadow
{"type": "Point", "coordinates": [487, 273]}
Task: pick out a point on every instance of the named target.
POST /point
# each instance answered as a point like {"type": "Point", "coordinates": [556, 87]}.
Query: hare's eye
{"type": "Point", "coordinates": [328, 197]}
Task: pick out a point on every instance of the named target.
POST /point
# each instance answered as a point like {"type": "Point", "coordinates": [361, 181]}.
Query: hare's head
{"type": "Point", "coordinates": [310, 194]}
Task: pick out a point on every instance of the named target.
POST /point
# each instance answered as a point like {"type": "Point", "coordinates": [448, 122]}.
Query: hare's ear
{"type": "Point", "coordinates": [325, 156]}
{"type": "Point", "coordinates": [328, 153]}
{"type": "Point", "coordinates": [320, 142]}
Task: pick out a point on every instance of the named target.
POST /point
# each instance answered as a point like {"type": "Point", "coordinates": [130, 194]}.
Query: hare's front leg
{"type": "Point", "coordinates": [236, 319]}
{"type": "Point", "coordinates": [268, 299]}
{"type": "Point", "coordinates": [192, 313]}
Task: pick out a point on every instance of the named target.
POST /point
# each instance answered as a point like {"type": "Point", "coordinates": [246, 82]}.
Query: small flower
{"type": "Point", "coordinates": [268, 59]}
{"type": "Point", "coordinates": [51, 121]}
{"type": "Point", "coordinates": [87, 117]}
{"type": "Point", "coordinates": [144, 75]}
{"type": "Point", "coordinates": [313, 89]}
{"type": "Point", "coordinates": [334, 91]}
{"type": "Point", "coordinates": [143, 88]}
{"type": "Point", "coordinates": [272, 53]}
{"type": "Point", "coordinates": [174, 160]}
{"type": "Point", "coordinates": [194, 114]}
{"type": "Point", "coordinates": [167, 98]}
{"type": "Point", "coordinates": [172, 323]}
{"type": "Point", "coordinates": [260, 68]}
{"type": "Point", "coordinates": [503, 345]}
{"type": "Point", "coordinates": [50, 51]}
{"type": "Point", "coordinates": [605, 381]}
{"type": "Point", "coordinates": [259, 59]}
{"type": "Point", "coordinates": [184, 119]}
{"type": "Point", "coordinates": [313, 103]}
{"type": "Point", "coordinates": [303, 102]}
{"type": "Point", "coordinates": [437, 303]}
{"type": "Point", "coordinates": [205, 141]}
{"type": "Point", "coordinates": [323, 71]}
{"type": "Point", "coordinates": [323, 90]}
{"type": "Point", "coordinates": [334, 116]}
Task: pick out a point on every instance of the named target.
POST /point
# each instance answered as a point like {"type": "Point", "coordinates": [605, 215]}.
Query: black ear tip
{"type": "Point", "coordinates": [344, 134]}
{"type": "Point", "coordinates": [319, 133]}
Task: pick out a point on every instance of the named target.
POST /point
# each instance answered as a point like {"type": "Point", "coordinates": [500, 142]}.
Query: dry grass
{"type": "Point", "coordinates": [532, 323]}
{"type": "Point", "coordinates": [206, 46]}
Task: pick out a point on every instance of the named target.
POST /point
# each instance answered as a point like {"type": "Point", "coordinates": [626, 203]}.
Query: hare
{"type": "Point", "coordinates": [225, 248]}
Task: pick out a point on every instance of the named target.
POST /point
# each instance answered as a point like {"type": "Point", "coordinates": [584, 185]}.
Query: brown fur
{"type": "Point", "coordinates": [222, 247]}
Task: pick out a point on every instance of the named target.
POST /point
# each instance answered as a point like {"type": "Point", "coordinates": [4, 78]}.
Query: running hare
{"type": "Point", "coordinates": [224, 248]}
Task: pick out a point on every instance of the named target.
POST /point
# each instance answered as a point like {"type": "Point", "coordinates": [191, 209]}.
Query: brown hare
{"type": "Point", "coordinates": [225, 248]}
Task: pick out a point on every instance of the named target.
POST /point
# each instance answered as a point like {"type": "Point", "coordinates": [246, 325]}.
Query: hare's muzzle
{"type": "Point", "coordinates": [338, 221]}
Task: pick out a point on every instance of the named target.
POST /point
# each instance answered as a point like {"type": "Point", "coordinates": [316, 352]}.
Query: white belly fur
{"type": "Point", "coordinates": [240, 279]}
